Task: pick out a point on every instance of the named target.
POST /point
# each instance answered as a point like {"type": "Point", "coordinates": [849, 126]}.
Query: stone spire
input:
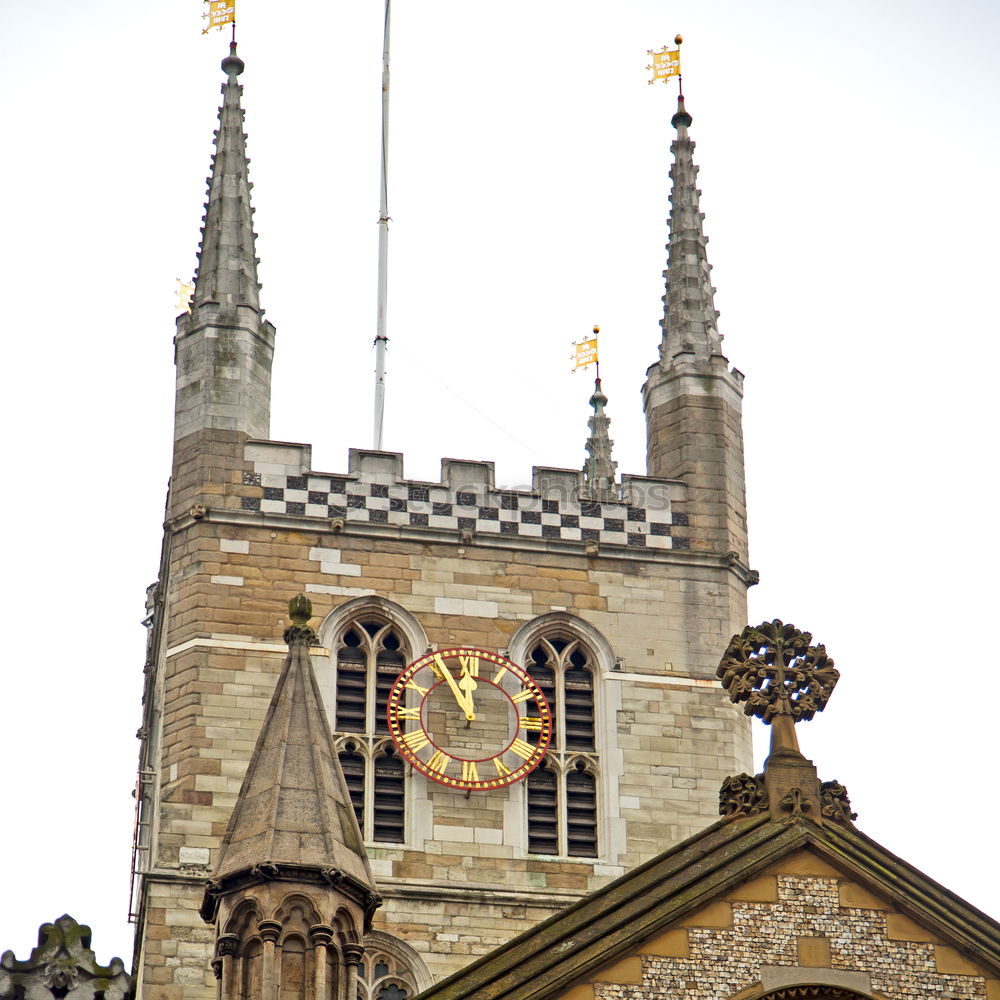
{"type": "Point", "coordinates": [227, 261]}
{"type": "Point", "coordinates": [224, 346]}
{"type": "Point", "coordinates": [689, 314]}
{"type": "Point", "coordinates": [599, 469]}
{"type": "Point", "coordinates": [293, 821]}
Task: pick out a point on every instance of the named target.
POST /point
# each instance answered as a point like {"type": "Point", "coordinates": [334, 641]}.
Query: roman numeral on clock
{"type": "Point", "coordinates": [531, 723]}
{"type": "Point", "coordinates": [416, 740]}
{"type": "Point", "coordinates": [469, 771]}
{"type": "Point", "coordinates": [409, 713]}
{"type": "Point", "coordinates": [521, 748]}
{"type": "Point", "coordinates": [439, 762]}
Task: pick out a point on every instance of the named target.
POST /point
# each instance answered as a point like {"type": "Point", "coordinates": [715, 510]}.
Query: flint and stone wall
{"type": "Point", "coordinates": [804, 922]}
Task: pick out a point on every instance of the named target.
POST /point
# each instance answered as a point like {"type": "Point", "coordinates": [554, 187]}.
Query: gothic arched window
{"type": "Point", "coordinates": [562, 793]}
{"type": "Point", "coordinates": [369, 653]}
{"type": "Point", "coordinates": [390, 969]}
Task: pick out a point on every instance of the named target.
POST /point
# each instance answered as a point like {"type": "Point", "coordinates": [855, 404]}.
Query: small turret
{"type": "Point", "coordinates": [292, 867]}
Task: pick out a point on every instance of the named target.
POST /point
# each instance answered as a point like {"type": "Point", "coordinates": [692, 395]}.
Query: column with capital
{"type": "Point", "coordinates": [352, 960]}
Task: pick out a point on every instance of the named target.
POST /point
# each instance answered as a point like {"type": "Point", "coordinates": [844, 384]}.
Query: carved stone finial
{"type": "Point", "coordinates": [777, 671]}
{"type": "Point", "coordinates": [300, 611]}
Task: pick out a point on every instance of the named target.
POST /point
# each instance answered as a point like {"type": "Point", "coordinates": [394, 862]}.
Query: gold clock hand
{"type": "Point", "coordinates": [464, 701]}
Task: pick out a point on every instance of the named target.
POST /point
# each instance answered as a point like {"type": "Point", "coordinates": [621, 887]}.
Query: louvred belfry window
{"type": "Point", "coordinates": [370, 654]}
{"type": "Point", "coordinates": [562, 794]}
{"type": "Point", "coordinates": [352, 763]}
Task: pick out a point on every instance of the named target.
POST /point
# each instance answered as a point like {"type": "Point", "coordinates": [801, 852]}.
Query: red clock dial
{"type": "Point", "coordinates": [469, 719]}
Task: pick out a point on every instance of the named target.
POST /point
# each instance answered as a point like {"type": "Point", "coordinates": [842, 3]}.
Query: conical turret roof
{"type": "Point", "coordinates": [294, 807]}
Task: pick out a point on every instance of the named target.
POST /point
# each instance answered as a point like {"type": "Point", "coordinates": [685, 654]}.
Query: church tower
{"type": "Point", "coordinates": [598, 601]}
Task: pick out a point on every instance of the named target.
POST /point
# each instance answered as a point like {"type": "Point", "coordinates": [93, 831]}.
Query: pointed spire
{"type": "Point", "coordinates": [599, 469]}
{"type": "Point", "coordinates": [294, 811]}
{"type": "Point", "coordinates": [225, 347]}
{"type": "Point", "coordinates": [227, 261]}
{"type": "Point", "coordinates": [689, 313]}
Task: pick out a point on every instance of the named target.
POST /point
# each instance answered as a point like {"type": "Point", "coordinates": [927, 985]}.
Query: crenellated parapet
{"type": "Point", "coordinates": [557, 508]}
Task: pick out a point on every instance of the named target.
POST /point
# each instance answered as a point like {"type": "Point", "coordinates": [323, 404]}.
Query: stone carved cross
{"type": "Point", "coordinates": [776, 671]}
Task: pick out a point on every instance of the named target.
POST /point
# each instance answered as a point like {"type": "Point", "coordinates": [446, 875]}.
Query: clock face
{"type": "Point", "coordinates": [469, 719]}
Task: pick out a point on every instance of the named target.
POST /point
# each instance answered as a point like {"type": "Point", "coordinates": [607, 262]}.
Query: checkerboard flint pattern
{"type": "Point", "coordinates": [504, 513]}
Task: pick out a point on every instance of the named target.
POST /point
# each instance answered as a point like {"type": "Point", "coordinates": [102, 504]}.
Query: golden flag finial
{"type": "Point", "coordinates": [666, 63]}
{"type": "Point", "coordinates": [185, 292]}
{"type": "Point", "coordinates": [585, 351]}
{"type": "Point", "coordinates": [220, 13]}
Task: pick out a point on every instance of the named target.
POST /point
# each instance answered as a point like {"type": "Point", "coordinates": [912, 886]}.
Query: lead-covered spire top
{"type": "Point", "coordinates": [227, 260]}
{"type": "Point", "coordinates": [689, 315]}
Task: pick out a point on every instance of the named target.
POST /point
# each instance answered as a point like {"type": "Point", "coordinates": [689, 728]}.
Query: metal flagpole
{"type": "Point", "coordinates": [381, 340]}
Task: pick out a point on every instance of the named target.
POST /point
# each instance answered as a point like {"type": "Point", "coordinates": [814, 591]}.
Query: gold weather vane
{"type": "Point", "coordinates": [185, 292]}
{"type": "Point", "coordinates": [220, 13]}
{"type": "Point", "coordinates": [585, 351]}
{"type": "Point", "coordinates": [666, 63]}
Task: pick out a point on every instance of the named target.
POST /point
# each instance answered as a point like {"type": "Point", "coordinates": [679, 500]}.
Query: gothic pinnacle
{"type": "Point", "coordinates": [689, 314]}
{"type": "Point", "coordinates": [599, 469]}
{"type": "Point", "coordinates": [227, 261]}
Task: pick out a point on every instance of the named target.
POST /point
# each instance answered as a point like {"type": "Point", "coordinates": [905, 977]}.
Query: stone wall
{"type": "Point", "coordinates": [656, 614]}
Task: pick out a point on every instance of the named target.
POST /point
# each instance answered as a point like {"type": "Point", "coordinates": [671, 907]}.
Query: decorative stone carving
{"type": "Point", "coordinates": [834, 803]}
{"type": "Point", "coordinates": [228, 944]}
{"type": "Point", "coordinates": [334, 876]}
{"type": "Point", "coordinates": [742, 795]}
{"type": "Point", "coordinates": [795, 802]}
{"type": "Point", "coordinates": [777, 671]}
{"type": "Point", "coordinates": [63, 963]}
{"type": "Point", "coordinates": [266, 870]}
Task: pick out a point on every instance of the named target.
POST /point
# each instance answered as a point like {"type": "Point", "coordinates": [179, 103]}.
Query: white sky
{"type": "Point", "coordinates": [849, 157]}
